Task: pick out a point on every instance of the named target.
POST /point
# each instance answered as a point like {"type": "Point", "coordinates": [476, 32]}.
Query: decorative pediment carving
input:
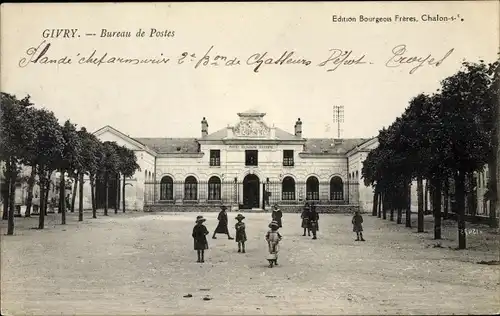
{"type": "Point", "coordinates": [251, 127]}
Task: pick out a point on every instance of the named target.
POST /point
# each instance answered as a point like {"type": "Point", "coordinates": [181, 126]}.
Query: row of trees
{"type": "Point", "coordinates": [34, 138]}
{"type": "Point", "coordinates": [442, 138]}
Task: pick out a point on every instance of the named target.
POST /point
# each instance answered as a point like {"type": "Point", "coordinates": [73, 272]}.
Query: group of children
{"type": "Point", "coordinates": [273, 237]}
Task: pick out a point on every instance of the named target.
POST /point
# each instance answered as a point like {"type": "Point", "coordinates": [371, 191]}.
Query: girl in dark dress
{"type": "Point", "coordinates": [200, 233]}
{"type": "Point", "coordinates": [313, 220]}
{"type": "Point", "coordinates": [241, 235]}
{"type": "Point", "coordinates": [357, 227]}
{"type": "Point", "coordinates": [305, 220]}
{"type": "Point", "coordinates": [222, 226]}
{"type": "Point", "coordinates": [277, 215]}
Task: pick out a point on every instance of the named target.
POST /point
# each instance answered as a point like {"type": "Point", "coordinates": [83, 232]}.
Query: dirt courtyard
{"type": "Point", "coordinates": [143, 263]}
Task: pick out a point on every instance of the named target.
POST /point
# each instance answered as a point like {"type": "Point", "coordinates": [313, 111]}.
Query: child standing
{"type": "Point", "coordinates": [357, 227]}
{"type": "Point", "coordinates": [200, 233]}
{"type": "Point", "coordinates": [313, 221]}
{"type": "Point", "coordinates": [241, 235]}
{"type": "Point", "coordinates": [222, 227]}
{"type": "Point", "coordinates": [276, 215]}
{"type": "Point", "coordinates": [305, 220]}
{"type": "Point", "coordinates": [273, 238]}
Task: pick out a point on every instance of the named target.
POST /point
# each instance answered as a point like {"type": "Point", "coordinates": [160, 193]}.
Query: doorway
{"type": "Point", "coordinates": [251, 191]}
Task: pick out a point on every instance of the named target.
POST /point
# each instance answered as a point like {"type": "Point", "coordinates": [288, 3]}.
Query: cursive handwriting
{"type": "Point", "coordinates": [400, 58]}
{"type": "Point", "coordinates": [37, 55]}
{"type": "Point", "coordinates": [339, 57]}
{"type": "Point", "coordinates": [43, 54]}
{"type": "Point", "coordinates": [285, 58]}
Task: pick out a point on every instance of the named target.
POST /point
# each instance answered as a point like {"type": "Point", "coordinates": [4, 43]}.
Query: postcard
{"type": "Point", "coordinates": [231, 158]}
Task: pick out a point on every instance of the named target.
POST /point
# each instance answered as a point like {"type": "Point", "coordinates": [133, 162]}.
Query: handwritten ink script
{"type": "Point", "coordinates": [334, 58]}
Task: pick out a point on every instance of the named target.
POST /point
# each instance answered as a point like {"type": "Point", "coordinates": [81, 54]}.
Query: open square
{"type": "Point", "coordinates": [140, 263]}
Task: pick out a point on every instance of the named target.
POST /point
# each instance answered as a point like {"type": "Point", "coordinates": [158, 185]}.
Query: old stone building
{"type": "Point", "coordinates": [249, 165]}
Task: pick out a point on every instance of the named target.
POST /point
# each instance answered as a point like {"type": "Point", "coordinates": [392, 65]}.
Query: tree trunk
{"type": "Point", "coordinates": [123, 194]}
{"type": "Point", "coordinates": [494, 195]}
{"type": "Point", "coordinates": [375, 203]}
{"type": "Point", "coordinates": [6, 194]}
{"type": "Point", "coordinates": [436, 204]}
{"type": "Point", "coordinates": [385, 205]}
{"type": "Point", "coordinates": [426, 196]}
{"type": "Point", "coordinates": [408, 205]}
{"type": "Point", "coordinates": [75, 188]}
{"type": "Point", "coordinates": [400, 215]}
{"type": "Point", "coordinates": [62, 193]}
{"type": "Point", "coordinates": [380, 202]}
{"type": "Point", "coordinates": [47, 191]}
{"type": "Point", "coordinates": [92, 195]}
{"type": "Point", "coordinates": [106, 184]}
{"type": "Point", "coordinates": [41, 217]}
{"type": "Point", "coordinates": [471, 195]}
{"type": "Point", "coordinates": [80, 200]}
{"type": "Point", "coordinates": [12, 196]}
{"type": "Point", "coordinates": [420, 190]}
{"type": "Point", "coordinates": [391, 214]}
{"type": "Point", "coordinates": [494, 168]}
{"type": "Point", "coordinates": [117, 200]}
{"type": "Point", "coordinates": [460, 200]}
{"type": "Point", "coordinates": [446, 197]}
{"type": "Point", "coordinates": [31, 184]}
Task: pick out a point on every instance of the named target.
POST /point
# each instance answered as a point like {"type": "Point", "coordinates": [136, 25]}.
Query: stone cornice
{"type": "Point", "coordinates": [242, 141]}
{"type": "Point", "coordinates": [180, 155]}
{"type": "Point", "coordinates": [322, 155]}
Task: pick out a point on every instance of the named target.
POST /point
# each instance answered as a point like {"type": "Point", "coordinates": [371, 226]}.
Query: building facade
{"type": "Point", "coordinates": [248, 165]}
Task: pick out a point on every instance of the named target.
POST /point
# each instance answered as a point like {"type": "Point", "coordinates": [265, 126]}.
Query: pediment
{"type": "Point", "coordinates": [112, 135]}
{"type": "Point", "coordinates": [252, 127]}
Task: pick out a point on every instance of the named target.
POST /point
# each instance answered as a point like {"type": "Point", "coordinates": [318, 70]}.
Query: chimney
{"type": "Point", "coordinates": [204, 128]}
{"type": "Point", "coordinates": [298, 128]}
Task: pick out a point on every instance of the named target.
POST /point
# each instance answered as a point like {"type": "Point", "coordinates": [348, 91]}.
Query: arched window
{"type": "Point", "coordinates": [357, 176]}
{"type": "Point", "coordinates": [190, 189]}
{"type": "Point", "coordinates": [145, 176]}
{"type": "Point", "coordinates": [336, 189]}
{"type": "Point", "coordinates": [288, 189]}
{"type": "Point", "coordinates": [214, 188]}
{"type": "Point", "coordinates": [166, 188]}
{"type": "Point", "coordinates": [312, 188]}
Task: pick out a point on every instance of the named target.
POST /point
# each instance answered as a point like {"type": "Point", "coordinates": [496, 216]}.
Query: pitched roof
{"type": "Point", "coordinates": [329, 145]}
{"type": "Point", "coordinates": [220, 134]}
{"type": "Point", "coordinates": [312, 145]}
{"type": "Point", "coordinates": [170, 145]}
{"type": "Point", "coordinates": [284, 135]}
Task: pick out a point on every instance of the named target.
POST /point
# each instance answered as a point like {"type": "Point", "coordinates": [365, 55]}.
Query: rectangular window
{"type": "Point", "coordinates": [251, 158]}
{"type": "Point", "coordinates": [214, 157]}
{"type": "Point", "coordinates": [288, 158]}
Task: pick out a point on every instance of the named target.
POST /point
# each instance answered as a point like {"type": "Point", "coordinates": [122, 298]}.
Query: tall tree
{"type": "Point", "coordinates": [68, 161]}
{"type": "Point", "coordinates": [127, 167]}
{"type": "Point", "coordinates": [463, 99]}
{"type": "Point", "coordinates": [16, 133]}
{"type": "Point", "coordinates": [108, 169]}
{"type": "Point", "coordinates": [91, 157]}
{"type": "Point", "coordinates": [49, 146]}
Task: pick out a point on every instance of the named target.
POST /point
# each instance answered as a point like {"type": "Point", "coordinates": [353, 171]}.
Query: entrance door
{"type": "Point", "coordinates": [251, 191]}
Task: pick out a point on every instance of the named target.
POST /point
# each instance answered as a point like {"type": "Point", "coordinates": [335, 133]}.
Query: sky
{"type": "Point", "coordinates": [170, 99]}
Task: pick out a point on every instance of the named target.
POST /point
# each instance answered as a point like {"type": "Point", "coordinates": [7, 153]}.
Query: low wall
{"type": "Point", "coordinates": [329, 209]}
